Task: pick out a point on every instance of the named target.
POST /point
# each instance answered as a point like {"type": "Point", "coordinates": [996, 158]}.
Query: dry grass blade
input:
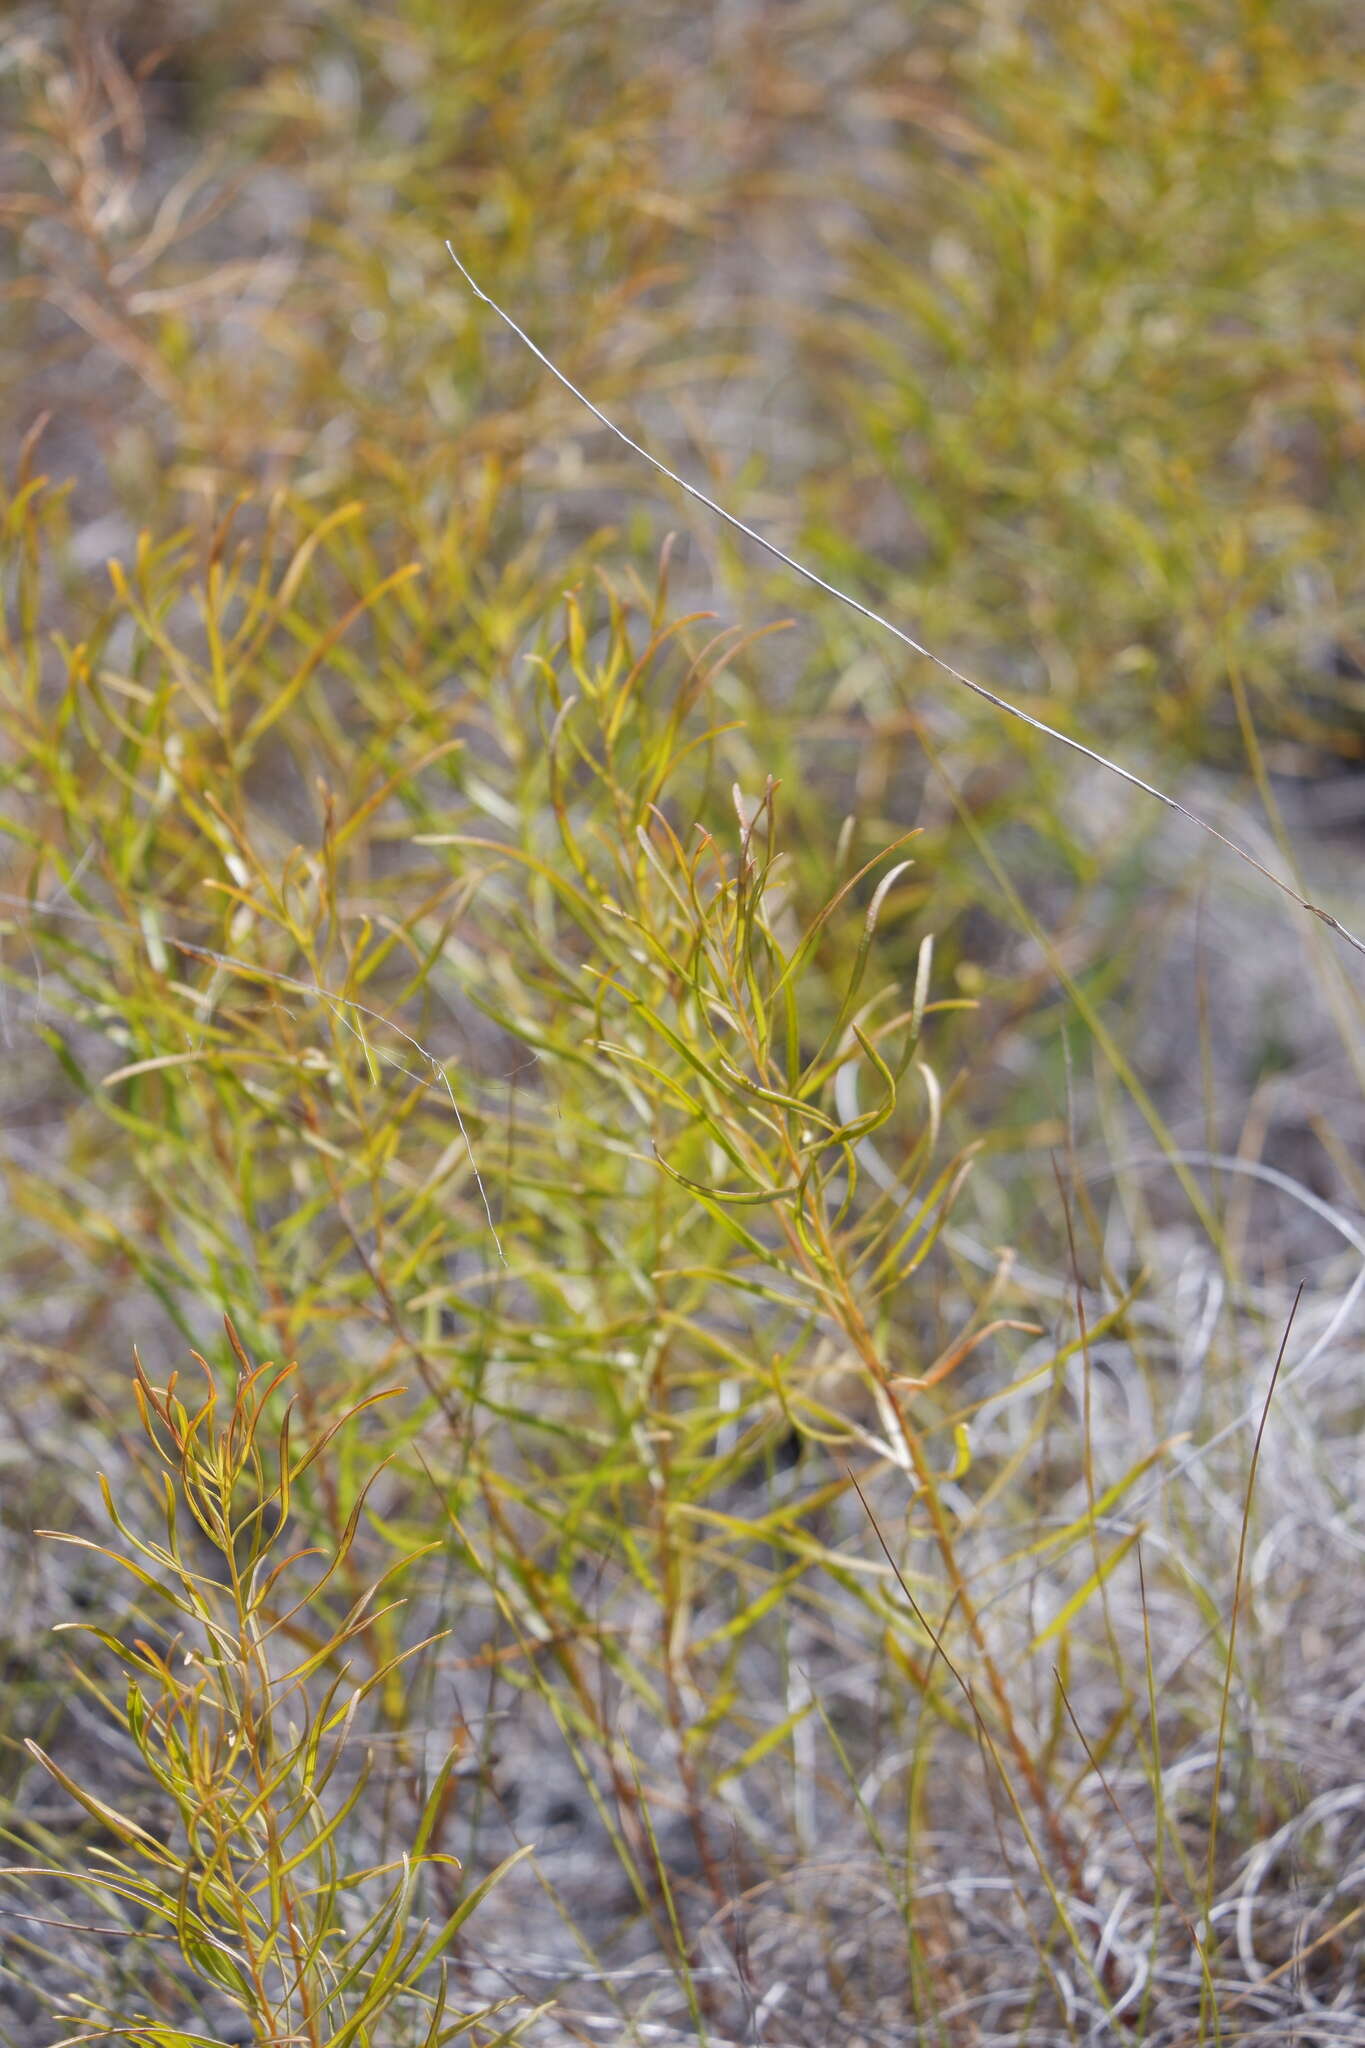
{"type": "Point", "coordinates": [886, 625]}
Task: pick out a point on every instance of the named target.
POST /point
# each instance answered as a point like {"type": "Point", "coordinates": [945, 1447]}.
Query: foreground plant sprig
{"type": "Point", "coordinates": [240, 1704]}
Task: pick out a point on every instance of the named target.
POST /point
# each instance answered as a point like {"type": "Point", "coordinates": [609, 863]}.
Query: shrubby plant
{"type": "Point", "coordinates": [251, 1879]}
{"type": "Point", "coordinates": [843, 1534]}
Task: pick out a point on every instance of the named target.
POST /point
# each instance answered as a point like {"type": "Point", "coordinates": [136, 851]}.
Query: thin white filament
{"type": "Point", "coordinates": [887, 626]}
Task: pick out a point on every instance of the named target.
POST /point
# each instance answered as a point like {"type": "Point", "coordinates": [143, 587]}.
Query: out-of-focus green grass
{"type": "Point", "coordinates": [1100, 345]}
{"type": "Point", "coordinates": [435, 940]}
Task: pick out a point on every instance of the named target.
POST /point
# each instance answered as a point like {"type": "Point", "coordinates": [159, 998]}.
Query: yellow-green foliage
{"type": "Point", "coordinates": [612, 1053]}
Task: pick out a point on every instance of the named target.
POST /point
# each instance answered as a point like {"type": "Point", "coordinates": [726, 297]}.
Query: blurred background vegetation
{"type": "Point", "coordinates": [460, 921]}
